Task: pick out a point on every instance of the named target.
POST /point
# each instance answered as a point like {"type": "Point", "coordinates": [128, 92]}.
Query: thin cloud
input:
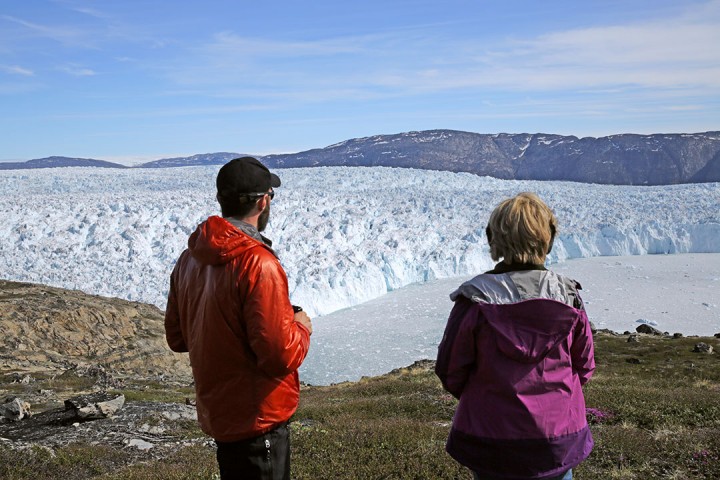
{"type": "Point", "coordinates": [663, 54]}
{"type": "Point", "coordinates": [163, 112]}
{"type": "Point", "coordinates": [230, 59]}
{"type": "Point", "coordinates": [66, 36]}
{"type": "Point", "coordinates": [685, 108]}
{"type": "Point", "coordinates": [668, 53]}
{"type": "Point", "coordinates": [17, 88]}
{"type": "Point", "coordinates": [91, 12]}
{"type": "Point", "coordinates": [652, 55]}
{"type": "Point", "coordinates": [77, 71]}
{"type": "Point", "coordinates": [17, 70]}
{"type": "Point", "coordinates": [226, 43]}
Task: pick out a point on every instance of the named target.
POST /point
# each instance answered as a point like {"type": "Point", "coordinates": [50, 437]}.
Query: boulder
{"type": "Point", "coordinates": [14, 409]}
{"type": "Point", "coordinates": [94, 406]}
{"type": "Point", "coordinates": [140, 444]}
{"type": "Point", "coordinates": [648, 329]}
{"type": "Point", "coordinates": [703, 347]}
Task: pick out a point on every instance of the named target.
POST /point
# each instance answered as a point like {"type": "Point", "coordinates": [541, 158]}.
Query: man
{"type": "Point", "coordinates": [229, 308]}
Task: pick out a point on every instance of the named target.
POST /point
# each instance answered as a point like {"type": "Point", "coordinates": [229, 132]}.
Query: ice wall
{"type": "Point", "coordinates": [345, 235]}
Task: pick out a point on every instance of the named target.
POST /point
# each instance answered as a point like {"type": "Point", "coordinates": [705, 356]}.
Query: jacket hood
{"type": "Point", "coordinates": [216, 241]}
{"type": "Point", "coordinates": [529, 310]}
{"type": "Point", "coordinates": [536, 328]}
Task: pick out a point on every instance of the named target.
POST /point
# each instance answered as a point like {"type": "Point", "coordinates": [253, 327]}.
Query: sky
{"type": "Point", "coordinates": [136, 80]}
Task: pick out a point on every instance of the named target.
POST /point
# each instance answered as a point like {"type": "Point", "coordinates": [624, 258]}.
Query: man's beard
{"type": "Point", "coordinates": [264, 218]}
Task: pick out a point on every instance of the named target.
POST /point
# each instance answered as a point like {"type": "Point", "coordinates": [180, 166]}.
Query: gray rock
{"type": "Point", "coordinates": [15, 409]}
{"type": "Point", "coordinates": [140, 444]}
{"type": "Point", "coordinates": [95, 406]}
{"type": "Point", "coordinates": [648, 329]}
{"type": "Point", "coordinates": [633, 338]}
{"type": "Point", "coordinates": [703, 347]}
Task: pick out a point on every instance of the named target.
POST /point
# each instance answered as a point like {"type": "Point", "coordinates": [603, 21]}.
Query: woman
{"type": "Point", "coordinates": [516, 350]}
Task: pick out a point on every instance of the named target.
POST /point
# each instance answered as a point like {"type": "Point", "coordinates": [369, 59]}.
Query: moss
{"type": "Point", "coordinates": [72, 462]}
{"type": "Point", "coordinates": [656, 418]}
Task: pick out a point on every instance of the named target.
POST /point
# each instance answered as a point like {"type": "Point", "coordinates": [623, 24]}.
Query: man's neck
{"type": "Point", "coordinates": [249, 229]}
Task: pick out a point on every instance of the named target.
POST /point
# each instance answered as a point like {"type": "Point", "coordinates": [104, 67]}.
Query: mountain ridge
{"type": "Point", "coordinates": [59, 161]}
{"type": "Point", "coordinates": [622, 159]}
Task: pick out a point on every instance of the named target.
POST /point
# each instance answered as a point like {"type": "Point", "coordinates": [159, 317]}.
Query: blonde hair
{"type": "Point", "coordinates": [521, 230]}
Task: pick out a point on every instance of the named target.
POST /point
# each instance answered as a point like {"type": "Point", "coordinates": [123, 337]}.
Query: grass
{"type": "Point", "coordinates": [654, 408]}
{"type": "Point", "coordinates": [154, 391]}
{"type": "Point", "coordinates": [662, 415]}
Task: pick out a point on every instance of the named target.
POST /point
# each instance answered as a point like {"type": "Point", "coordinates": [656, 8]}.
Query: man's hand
{"type": "Point", "coordinates": [303, 319]}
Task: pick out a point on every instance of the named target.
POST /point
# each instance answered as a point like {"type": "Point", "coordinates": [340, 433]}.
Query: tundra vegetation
{"type": "Point", "coordinates": [652, 404]}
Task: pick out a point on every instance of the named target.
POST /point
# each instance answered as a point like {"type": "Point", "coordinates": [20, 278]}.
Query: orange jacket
{"type": "Point", "coordinates": [229, 308]}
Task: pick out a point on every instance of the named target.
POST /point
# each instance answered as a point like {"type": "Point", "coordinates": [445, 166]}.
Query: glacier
{"type": "Point", "coordinates": [345, 235]}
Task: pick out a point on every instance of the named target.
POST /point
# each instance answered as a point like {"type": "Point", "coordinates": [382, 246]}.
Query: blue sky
{"type": "Point", "coordinates": [132, 80]}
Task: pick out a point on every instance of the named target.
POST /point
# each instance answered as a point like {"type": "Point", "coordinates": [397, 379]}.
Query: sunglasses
{"type": "Point", "coordinates": [271, 193]}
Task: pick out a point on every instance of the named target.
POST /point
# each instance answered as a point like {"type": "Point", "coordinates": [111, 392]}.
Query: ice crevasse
{"type": "Point", "coordinates": [344, 235]}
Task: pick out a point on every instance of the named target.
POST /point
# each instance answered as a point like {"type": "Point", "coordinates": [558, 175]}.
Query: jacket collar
{"type": "Point", "coordinates": [249, 230]}
{"type": "Point", "coordinates": [503, 267]}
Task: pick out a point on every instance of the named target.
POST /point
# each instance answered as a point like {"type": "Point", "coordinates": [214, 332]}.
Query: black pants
{"type": "Point", "coordinates": [266, 457]}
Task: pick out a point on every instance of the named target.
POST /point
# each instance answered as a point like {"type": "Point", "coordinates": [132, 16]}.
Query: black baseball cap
{"type": "Point", "coordinates": [245, 175]}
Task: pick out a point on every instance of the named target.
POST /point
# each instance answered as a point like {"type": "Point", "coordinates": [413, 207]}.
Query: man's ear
{"type": "Point", "coordinates": [552, 238]}
{"type": "Point", "coordinates": [261, 204]}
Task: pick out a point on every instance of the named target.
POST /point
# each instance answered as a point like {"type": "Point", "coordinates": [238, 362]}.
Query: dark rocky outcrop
{"type": "Point", "coordinates": [648, 330]}
{"type": "Point", "coordinates": [619, 159]}
{"type": "Point", "coordinates": [625, 159]}
{"type": "Point", "coordinates": [94, 406]}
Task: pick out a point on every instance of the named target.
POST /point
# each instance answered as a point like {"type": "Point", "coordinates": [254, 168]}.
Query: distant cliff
{"type": "Point", "coordinates": [619, 159]}
{"type": "Point", "coordinates": [626, 159]}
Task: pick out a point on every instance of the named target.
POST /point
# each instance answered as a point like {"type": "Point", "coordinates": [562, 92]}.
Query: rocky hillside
{"type": "Point", "coordinates": [219, 158]}
{"type": "Point", "coordinates": [49, 329]}
{"type": "Point", "coordinates": [625, 159]}
{"type": "Point", "coordinates": [51, 162]}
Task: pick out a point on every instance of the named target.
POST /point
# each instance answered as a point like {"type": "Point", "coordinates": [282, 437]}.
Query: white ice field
{"type": "Point", "coordinates": [350, 235]}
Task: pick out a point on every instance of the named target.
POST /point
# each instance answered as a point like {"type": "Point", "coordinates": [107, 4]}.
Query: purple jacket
{"type": "Point", "coordinates": [517, 349]}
